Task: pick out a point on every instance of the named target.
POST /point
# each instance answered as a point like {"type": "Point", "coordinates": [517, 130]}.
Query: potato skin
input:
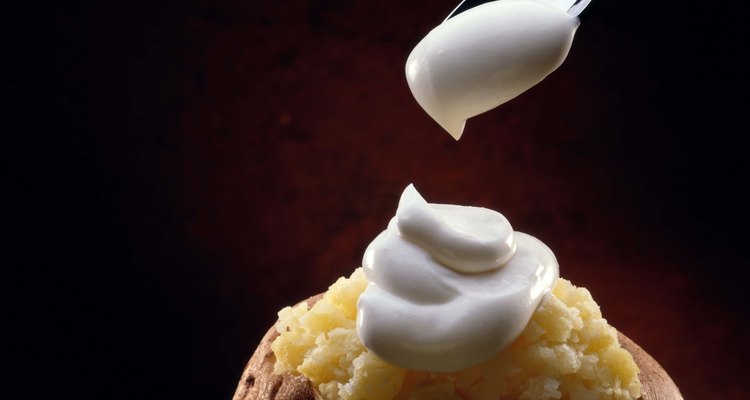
{"type": "Point", "coordinates": [655, 382]}
{"type": "Point", "coordinates": [258, 382]}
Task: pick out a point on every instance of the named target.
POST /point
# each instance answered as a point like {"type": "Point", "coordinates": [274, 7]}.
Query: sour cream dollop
{"type": "Point", "coordinates": [487, 55]}
{"type": "Point", "coordinates": [449, 286]}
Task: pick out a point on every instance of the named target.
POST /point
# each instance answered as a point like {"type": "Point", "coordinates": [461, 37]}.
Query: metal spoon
{"type": "Point", "coordinates": [572, 7]}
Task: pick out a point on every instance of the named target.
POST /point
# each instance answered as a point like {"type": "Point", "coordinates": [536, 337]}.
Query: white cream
{"type": "Point", "coordinates": [449, 286]}
{"type": "Point", "coordinates": [487, 55]}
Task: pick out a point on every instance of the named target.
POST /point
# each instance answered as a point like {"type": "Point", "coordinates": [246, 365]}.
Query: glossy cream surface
{"type": "Point", "coordinates": [449, 286]}
{"type": "Point", "coordinates": [487, 55]}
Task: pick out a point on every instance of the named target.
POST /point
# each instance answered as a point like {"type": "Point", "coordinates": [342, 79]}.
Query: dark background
{"type": "Point", "coordinates": [177, 172]}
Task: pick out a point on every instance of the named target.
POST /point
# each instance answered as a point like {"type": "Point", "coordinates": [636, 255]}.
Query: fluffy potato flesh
{"type": "Point", "coordinates": [567, 351]}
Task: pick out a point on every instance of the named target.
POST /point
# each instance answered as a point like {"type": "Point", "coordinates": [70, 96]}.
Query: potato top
{"type": "Point", "coordinates": [567, 351]}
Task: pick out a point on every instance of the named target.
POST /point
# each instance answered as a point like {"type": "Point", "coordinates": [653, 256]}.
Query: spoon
{"type": "Point", "coordinates": [573, 7]}
{"type": "Point", "coordinates": [491, 53]}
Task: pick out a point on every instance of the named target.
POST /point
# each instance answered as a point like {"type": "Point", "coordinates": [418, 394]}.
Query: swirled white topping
{"type": "Point", "coordinates": [449, 286]}
{"type": "Point", "coordinates": [487, 55]}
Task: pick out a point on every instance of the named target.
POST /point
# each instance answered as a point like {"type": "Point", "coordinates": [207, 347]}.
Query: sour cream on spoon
{"type": "Point", "coordinates": [489, 54]}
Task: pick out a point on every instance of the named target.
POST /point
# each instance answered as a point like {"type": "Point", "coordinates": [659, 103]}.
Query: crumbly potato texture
{"type": "Point", "coordinates": [568, 351]}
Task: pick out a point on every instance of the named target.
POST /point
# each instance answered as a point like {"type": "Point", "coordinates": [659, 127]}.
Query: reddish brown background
{"type": "Point", "coordinates": [182, 170]}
